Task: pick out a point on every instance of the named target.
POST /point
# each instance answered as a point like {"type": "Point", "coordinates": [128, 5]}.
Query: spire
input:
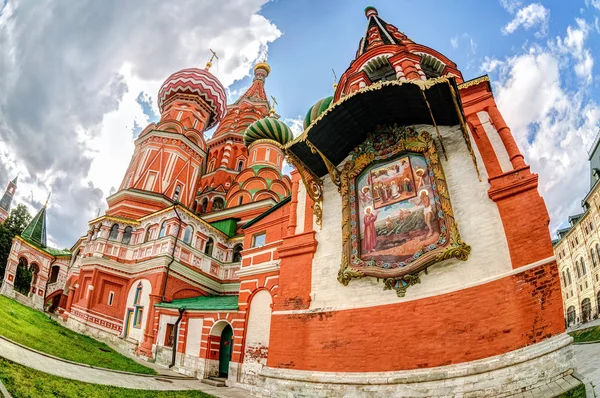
{"type": "Point", "coordinates": [14, 181]}
{"type": "Point", "coordinates": [379, 33]}
{"type": "Point", "coordinates": [256, 91]}
{"type": "Point", "coordinates": [36, 230]}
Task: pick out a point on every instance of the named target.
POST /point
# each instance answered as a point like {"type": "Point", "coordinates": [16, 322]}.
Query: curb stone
{"type": "Point", "coordinates": [589, 388]}
{"type": "Point", "coordinates": [4, 392]}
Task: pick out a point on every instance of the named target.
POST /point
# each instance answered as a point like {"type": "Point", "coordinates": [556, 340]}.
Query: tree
{"type": "Point", "coordinates": [16, 222]}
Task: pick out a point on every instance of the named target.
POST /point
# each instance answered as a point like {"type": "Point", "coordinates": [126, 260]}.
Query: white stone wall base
{"type": "Point", "coordinates": [499, 376]}
{"type": "Point", "coordinates": [109, 338]}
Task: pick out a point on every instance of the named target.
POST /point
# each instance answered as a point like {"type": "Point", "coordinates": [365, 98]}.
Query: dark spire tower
{"type": "Point", "coordinates": [7, 199]}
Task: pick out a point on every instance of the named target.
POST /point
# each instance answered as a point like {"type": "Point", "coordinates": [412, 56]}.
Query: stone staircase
{"type": "Point", "coordinates": [215, 381]}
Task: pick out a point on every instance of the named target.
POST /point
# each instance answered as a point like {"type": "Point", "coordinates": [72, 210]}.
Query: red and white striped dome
{"type": "Point", "coordinates": [196, 82]}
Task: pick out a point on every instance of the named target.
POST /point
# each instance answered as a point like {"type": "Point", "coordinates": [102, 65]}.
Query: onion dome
{"type": "Point", "coordinates": [315, 111]}
{"type": "Point", "coordinates": [268, 128]}
{"type": "Point", "coordinates": [198, 82]}
{"type": "Point", "coordinates": [262, 65]}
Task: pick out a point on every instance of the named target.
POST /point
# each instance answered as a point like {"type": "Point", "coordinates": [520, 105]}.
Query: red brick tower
{"type": "Point", "coordinates": [7, 199]}
{"type": "Point", "coordinates": [169, 156]}
{"type": "Point", "coordinates": [227, 154]}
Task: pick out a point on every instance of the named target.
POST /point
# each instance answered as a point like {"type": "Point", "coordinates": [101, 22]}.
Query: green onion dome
{"type": "Point", "coordinates": [268, 128]}
{"type": "Point", "coordinates": [315, 111]}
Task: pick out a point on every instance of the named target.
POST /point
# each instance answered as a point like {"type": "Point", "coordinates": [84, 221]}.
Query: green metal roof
{"type": "Point", "coordinates": [227, 226]}
{"type": "Point", "coordinates": [267, 212]}
{"type": "Point", "coordinates": [204, 303]}
{"type": "Point", "coordinates": [36, 230]}
{"type": "Point", "coordinates": [50, 250]}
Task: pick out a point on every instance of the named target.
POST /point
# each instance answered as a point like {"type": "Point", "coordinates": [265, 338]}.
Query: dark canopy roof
{"type": "Point", "coordinates": [348, 122]}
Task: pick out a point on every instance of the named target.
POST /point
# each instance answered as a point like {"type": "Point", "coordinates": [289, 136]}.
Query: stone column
{"type": "Point", "coordinates": [71, 297]}
{"type": "Point", "coordinates": [516, 158]}
{"type": "Point", "coordinates": [151, 327]}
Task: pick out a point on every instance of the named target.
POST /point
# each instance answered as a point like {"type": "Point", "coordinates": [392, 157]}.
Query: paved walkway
{"type": "Point", "coordinates": [595, 322]}
{"type": "Point", "coordinates": [56, 367]}
{"type": "Point", "coordinates": [587, 363]}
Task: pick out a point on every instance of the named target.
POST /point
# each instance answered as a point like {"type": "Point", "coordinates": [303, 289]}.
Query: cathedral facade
{"type": "Point", "coordinates": [407, 254]}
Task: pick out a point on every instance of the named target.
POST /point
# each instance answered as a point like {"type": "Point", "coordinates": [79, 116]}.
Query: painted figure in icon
{"type": "Point", "coordinates": [370, 236]}
{"type": "Point", "coordinates": [428, 212]}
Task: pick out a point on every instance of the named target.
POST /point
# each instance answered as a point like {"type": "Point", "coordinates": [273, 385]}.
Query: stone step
{"type": "Point", "coordinates": [223, 379]}
{"type": "Point", "coordinates": [215, 383]}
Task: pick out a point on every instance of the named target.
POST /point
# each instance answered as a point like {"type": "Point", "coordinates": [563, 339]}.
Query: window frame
{"type": "Point", "coordinates": [257, 235]}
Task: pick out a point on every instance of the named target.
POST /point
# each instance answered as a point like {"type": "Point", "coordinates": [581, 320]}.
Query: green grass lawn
{"type": "Point", "coordinates": [23, 382]}
{"type": "Point", "coordinates": [587, 334]}
{"type": "Point", "coordinates": [577, 392]}
{"type": "Point", "coordinates": [34, 329]}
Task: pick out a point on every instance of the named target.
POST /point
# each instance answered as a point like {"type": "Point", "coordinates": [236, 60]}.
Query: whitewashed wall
{"type": "Point", "coordinates": [138, 333]}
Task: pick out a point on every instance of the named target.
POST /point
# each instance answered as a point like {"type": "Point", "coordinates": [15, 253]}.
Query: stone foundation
{"type": "Point", "coordinates": [499, 376]}
{"type": "Point", "coordinates": [94, 331]}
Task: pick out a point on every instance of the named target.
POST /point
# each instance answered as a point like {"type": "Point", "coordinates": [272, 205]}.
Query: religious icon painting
{"type": "Point", "coordinates": [397, 217]}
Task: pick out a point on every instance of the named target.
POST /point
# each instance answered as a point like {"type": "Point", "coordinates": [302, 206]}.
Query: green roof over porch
{"type": "Point", "coordinates": [204, 303]}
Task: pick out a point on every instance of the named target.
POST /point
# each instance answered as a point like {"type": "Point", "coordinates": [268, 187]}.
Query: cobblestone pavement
{"type": "Point", "coordinates": [43, 363]}
{"type": "Point", "coordinates": [587, 363]}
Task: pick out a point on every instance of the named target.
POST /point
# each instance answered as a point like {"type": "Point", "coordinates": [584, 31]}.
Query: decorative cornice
{"type": "Point", "coordinates": [474, 82]}
{"type": "Point", "coordinates": [250, 270]}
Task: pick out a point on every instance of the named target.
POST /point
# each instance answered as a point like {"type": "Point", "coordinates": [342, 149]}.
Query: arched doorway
{"type": "Point", "coordinates": [221, 335]}
{"type": "Point", "coordinates": [570, 315]}
{"type": "Point", "coordinates": [586, 310]}
{"type": "Point", "coordinates": [225, 350]}
{"type": "Point", "coordinates": [24, 276]}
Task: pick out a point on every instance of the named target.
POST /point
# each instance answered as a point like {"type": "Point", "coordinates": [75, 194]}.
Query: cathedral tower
{"type": "Point", "coordinates": [7, 199]}
{"type": "Point", "coordinates": [168, 158]}
{"type": "Point", "coordinates": [227, 154]}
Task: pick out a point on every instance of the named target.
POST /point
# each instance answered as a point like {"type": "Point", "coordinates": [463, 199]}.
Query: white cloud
{"type": "Point", "coordinates": [71, 76]}
{"type": "Point", "coordinates": [554, 125]}
{"type": "Point", "coordinates": [490, 64]}
{"type": "Point", "coordinates": [454, 42]}
{"type": "Point", "coordinates": [533, 15]}
{"type": "Point", "coordinates": [573, 45]}
{"type": "Point", "coordinates": [510, 5]}
{"type": "Point", "coordinates": [593, 3]}
{"type": "Point", "coordinates": [295, 124]}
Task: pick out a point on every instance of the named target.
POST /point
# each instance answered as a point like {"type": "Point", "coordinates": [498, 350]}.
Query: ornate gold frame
{"type": "Point", "coordinates": [397, 276]}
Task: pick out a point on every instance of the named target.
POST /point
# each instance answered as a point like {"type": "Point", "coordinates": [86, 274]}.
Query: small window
{"type": "Point", "coordinates": [147, 236]}
{"type": "Point", "coordinates": [114, 232]}
{"type": "Point", "coordinates": [583, 269]}
{"type": "Point", "coordinates": [240, 200]}
{"type": "Point", "coordinates": [187, 234]}
{"type": "Point", "coordinates": [254, 156]}
{"type": "Point", "coordinates": [259, 240]}
{"type": "Point", "coordinates": [268, 155]}
{"type": "Point", "coordinates": [208, 247]}
{"type": "Point", "coordinates": [54, 273]}
{"type": "Point", "coordinates": [163, 229]}
{"type": "Point", "coordinates": [170, 335]}
{"type": "Point", "coordinates": [111, 297]}
{"type": "Point", "coordinates": [137, 320]}
{"type": "Point", "coordinates": [195, 123]}
{"type": "Point", "coordinates": [179, 115]}
{"type": "Point", "coordinates": [127, 235]}
{"type": "Point", "coordinates": [218, 204]}
{"type": "Point", "coordinates": [237, 254]}
{"type": "Point", "coordinates": [177, 192]}
{"type": "Point", "coordinates": [569, 276]}
{"type": "Point", "coordinates": [150, 181]}
{"type": "Point", "coordinates": [240, 165]}
{"type": "Point", "coordinates": [138, 294]}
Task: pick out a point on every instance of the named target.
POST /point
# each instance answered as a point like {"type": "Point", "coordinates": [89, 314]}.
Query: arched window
{"type": "Point", "coordinates": [380, 69]}
{"type": "Point", "coordinates": [114, 232]}
{"type": "Point", "coordinates": [188, 233]}
{"type": "Point", "coordinates": [177, 192]}
{"type": "Point", "coordinates": [569, 276]}
{"type": "Point", "coordinates": [586, 310]}
{"type": "Point", "coordinates": [95, 233]}
{"type": "Point", "coordinates": [127, 235]}
{"type": "Point", "coordinates": [218, 204]}
{"type": "Point", "coordinates": [237, 253]}
{"type": "Point", "coordinates": [564, 277]}
{"type": "Point", "coordinates": [240, 200]}
{"type": "Point", "coordinates": [598, 250]}
{"type": "Point", "coordinates": [240, 165]}
{"type": "Point", "coordinates": [583, 267]}
{"type": "Point", "coordinates": [577, 268]}
{"type": "Point", "coordinates": [208, 247]}
{"type": "Point", "coordinates": [163, 229]}
{"type": "Point", "coordinates": [54, 273]}
{"type": "Point", "coordinates": [147, 235]}
{"type": "Point", "coordinates": [593, 257]}
{"type": "Point", "coordinates": [23, 276]}
{"type": "Point", "coordinates": [570, 315]}
{"type": "Point", "coordinates": [204, 205]}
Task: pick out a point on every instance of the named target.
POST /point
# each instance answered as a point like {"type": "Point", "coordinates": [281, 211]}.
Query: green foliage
{"type": "Point", "coordinates": [23, 279]}
{"type": "Point", "coordinates": [23, 382]}
{"type": "Point", "coordinates": [14, 225]}
{"type": "Point", "coordinates": [34, 329]}
{"type": "Point", "coordinates": [577, 392]}
{"type": "Point", "coordinates": [587, 334]}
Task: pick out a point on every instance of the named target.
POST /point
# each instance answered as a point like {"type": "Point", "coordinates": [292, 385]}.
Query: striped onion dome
{"type": "Point", "coordinates": [315, 111]}
{"type": "Point", "coordinates": [268, 128]}
{"type": "Point", "coordinates": [198, 82]}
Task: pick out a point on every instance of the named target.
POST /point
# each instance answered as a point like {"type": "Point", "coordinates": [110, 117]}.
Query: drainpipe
{"type": "Point", "coordinates": [175, 343]}
{"type": "Point", "coordinates": [47, 283]}
{"type": "Point", "coordinates": [164, 289]}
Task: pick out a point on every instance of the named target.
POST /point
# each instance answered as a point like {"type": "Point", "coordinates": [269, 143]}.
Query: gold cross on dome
{"type": "Point", "coordinates": [272, 111]}
{"type": "Point", "coordinates": [212, 57]}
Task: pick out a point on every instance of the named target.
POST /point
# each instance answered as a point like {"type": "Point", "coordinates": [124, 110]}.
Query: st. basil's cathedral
{"type": "Point", "coordinates": [407, 254]}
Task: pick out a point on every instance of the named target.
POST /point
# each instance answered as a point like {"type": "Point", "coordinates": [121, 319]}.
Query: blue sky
{"type": "Point", "coordinates": [81, 81]}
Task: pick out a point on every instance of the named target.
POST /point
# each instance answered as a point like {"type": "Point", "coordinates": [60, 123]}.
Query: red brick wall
{"type": "Point", "coordinates": [466, 325]}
